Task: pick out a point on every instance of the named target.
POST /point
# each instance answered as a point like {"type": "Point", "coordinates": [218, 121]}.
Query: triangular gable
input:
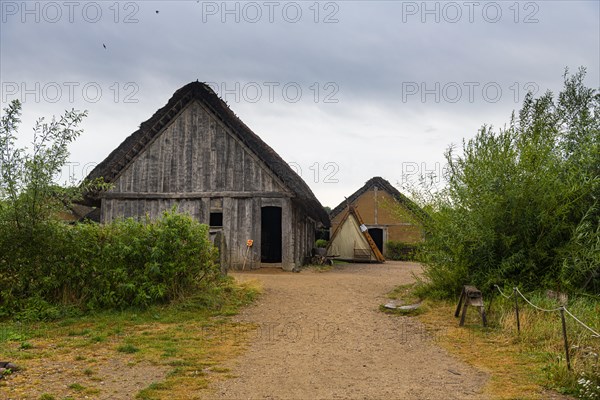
{"type": "Point", "coordinates": [384, 185]}
{"type": "Point", "coordinates": [351, 240]}
{"type": "Point", "coordinates": [123, 155]}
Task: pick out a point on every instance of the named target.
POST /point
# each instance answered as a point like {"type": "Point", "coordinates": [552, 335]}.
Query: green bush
{"type": "Point", "coordinates": [113, 266]}
{"type": "Point", "coordinates": [401, 251]}
{"type": "Point", "coordinates": [521, 206]}
{"type": "Point", "coordinates": [321, 243]}
{"type": "Point", "coordinates": [48, 267]}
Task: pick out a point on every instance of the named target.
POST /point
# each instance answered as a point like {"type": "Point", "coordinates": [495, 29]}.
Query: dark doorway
{"type": "Point", "coordinates": [270, 236]}
{"type": "Point", "coordinates": [377, 235]}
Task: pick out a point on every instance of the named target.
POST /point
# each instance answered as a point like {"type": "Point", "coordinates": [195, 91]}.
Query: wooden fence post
{"type": "Point", "coordinates": [517, 310]}
{"type": "Point", "coordinates": [564, 330]}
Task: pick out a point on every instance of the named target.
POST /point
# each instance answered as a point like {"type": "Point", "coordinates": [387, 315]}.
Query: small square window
{"type": "Point", "coordinates": [216, 219]}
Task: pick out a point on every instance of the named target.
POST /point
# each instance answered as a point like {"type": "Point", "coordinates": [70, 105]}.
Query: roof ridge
{"type": "Point", "coordinates": [380, 183]}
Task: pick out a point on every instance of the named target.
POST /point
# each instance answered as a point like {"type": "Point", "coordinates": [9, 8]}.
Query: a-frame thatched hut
{"type": "Point", "coordinates": [387, 213]}
{"type": "Point", "coordinates": [197, 154]}
{"type": "Point", "coordinates": [351, 240]}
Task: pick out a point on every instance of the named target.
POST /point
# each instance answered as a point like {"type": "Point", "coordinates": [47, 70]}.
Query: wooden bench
{"type": "Point", "coordinates": [470, 296]}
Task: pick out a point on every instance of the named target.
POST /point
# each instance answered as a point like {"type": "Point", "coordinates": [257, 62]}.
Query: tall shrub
{"type": "Point", "coordinates": [521, 203]}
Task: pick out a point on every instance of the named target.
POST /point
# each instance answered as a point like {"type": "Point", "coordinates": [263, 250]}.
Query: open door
{"type": "Point", "coordinates": [377, 236]}
{"type": "Point", "coordinates": [270, 235]}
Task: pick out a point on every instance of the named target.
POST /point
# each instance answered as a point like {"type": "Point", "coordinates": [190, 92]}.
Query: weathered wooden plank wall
{"type": "Point", "coordinates": [197, 160]}
{"type": "Point", "coordinates": [196, 153]}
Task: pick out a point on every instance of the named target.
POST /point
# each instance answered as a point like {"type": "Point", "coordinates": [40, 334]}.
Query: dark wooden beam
{"type": "Point", "coordinates": [192, 195]}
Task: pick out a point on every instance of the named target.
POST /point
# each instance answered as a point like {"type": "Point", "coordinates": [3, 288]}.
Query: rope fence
{"type": "Point", "coordinates": [562, 309]}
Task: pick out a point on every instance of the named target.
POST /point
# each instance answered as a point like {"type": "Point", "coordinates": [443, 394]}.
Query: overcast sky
{"type": "Point", "coordinates": [342, 90]}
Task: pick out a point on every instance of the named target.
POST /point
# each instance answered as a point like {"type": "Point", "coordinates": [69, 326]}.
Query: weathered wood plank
{"type": "Point", "coordinates": [195, 195]}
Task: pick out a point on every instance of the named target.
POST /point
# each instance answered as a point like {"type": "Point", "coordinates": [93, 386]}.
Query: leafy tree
{"type": "Point", "coordinates": [521, 203]}
{"type": "Point", "coordinates": [28, 194]}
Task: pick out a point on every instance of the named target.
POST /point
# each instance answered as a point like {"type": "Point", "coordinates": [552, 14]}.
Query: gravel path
{"type": "Point", "coordinates": [321, 336]}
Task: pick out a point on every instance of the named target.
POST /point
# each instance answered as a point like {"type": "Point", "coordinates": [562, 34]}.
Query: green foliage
{"type": "Point", "coordinates": [128, 348]}
{"type": "Point", "coordinates": [28, 195]}
{"type": "Point", "coordinates": [521, 204]}
{"type": "Point", "coordinates": [401, 251]}
{"type": "Point", "coordinates": [114, 266]}
{"type": "Point", "coordinates": [321, 243]}
{"type": "Point", "coordinates": [48, 268]}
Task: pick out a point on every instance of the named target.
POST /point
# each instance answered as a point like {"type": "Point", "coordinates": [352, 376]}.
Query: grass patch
{"type": "Point", "coordinates": [98, 339]}
{"type": "Point", "coordinates": [184, 337]}
{"type": "Point", "coordinates": [525, 365]}
{"type": "Point", "coordinates": [25, 346]}
{"type": "Point", "coordinates": [76, 386]}
{"type": "Point", "coordinates": [127, 348]}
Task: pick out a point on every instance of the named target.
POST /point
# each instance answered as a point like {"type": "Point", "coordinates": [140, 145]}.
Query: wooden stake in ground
{"type": "Point", "coordinates": [249, 244]}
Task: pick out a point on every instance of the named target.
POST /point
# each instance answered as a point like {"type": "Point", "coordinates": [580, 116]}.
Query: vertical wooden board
{"type": "Point", "coordinates": [191, 151]}
{"type": "Point", "coordinates": [154, 209]}
{"type": "Point", "coordinates": [208, 155]}
{"type": "Point", "coordinates": [167, 166]}
{"type": "Point", "coordinates": [119, 209]}
{"type": "Point", "coordinates": [219, 152]}
{"type": "Point", "coordinates": [126, 208]}
{"type": "Point", "coordinates": [123, 182]}
{"type": "Point", "coordinates": [162, 144]}
{"type": "Point", "coordinates": [205, 211]}
{"type": "Point", "coordinates": [187, 151]}
{"type": "Point", "coordinates": [197, 139]}
{"type": "Point", "coordinates": [164, 205]}
{"type": "Point", "coordinates": [229, 160]}
{"type": "Point", "coordinates": [228, 229]}
{"type": "Point", "coordinates": [182, 134]}
{"type": "Point", "coordinates": [119, 184]}
{"type": "Point", "coordinates": [256, 227]}
{"type": "Point", "coordinates": [175, 171]}
{"type": "Point", "coordinates": [188, 206]}
{"type": "Point", "coordinates": [238, 165]}
{"type": "Point", "coordinates": [141, 184]}
{"type": "Point", "coordinates": [297, 228]}
{"type": "Point", "coordinates": [138, 209]}
{"type": "Point", "coordinates": [132, 176]}
{"type": "Point", "coordinates": [243, 222]}
{"type": "Point", "coordinates": [182, 206]}
{"type": "Point", "coordinates": [287, 258]}
{"type": "Point", "coordinates": [249, 182]}
{"type": "Point", "coordinates": [198, 210]}
{"type": "Point", "coordinates": [147, 208]}
{"type": "Point", "coordinates": [105, 209]}
{"type": "Point", "coordinates": [152, 154]}
{"type": "Point", "coordinates": [265, 181]}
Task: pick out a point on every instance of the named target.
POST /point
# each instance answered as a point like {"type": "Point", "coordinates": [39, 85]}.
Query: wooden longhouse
{"type": "Point", "coordinates": [197, 154]}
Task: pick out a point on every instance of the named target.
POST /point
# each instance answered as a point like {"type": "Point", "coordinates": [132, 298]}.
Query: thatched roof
{"type": "Point", "coordinates": [381, 184]}
{"type": "Point", "coordinates": [353, 236]}
{"type": "Point", "coordinates": [116, 161]}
